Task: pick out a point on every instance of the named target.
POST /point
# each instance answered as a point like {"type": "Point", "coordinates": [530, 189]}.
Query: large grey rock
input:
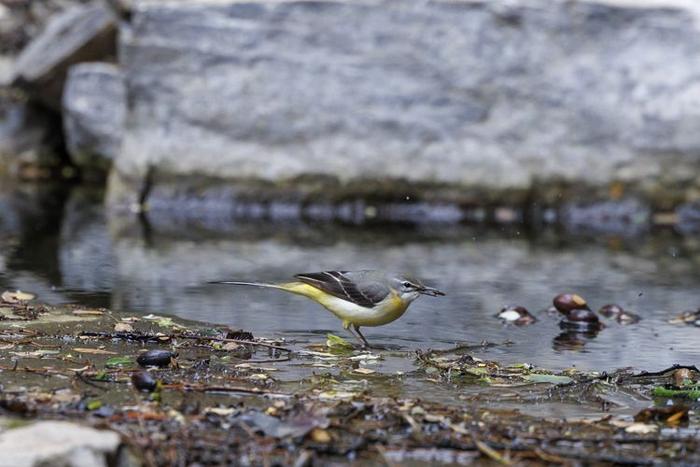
{"type": "Point", "coordinates": [94, 112]}
{"type": "Point", "coordinates": [78, 34]}
{"type": "Point", "coordinates": [61, 444]}
{"type": "Point", "coordinates": [502, 95]}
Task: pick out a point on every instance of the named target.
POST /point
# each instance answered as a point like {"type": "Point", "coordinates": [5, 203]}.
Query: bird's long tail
{"type": "Point", "coordinates": [298, 288]}
{"type": "Point", "coordinates": [253, 284]}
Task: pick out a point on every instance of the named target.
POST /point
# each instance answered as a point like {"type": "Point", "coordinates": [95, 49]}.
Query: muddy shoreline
{"type": "Point", "coordinates": [227, 396]}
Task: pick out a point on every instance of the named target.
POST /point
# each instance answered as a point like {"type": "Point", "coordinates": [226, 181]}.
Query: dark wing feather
{"type": "Point", "coordinates": [338, 283]}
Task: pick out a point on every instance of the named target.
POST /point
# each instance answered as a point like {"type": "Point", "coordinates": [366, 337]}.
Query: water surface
{"type": "Point", "coordinates": [63, 246]}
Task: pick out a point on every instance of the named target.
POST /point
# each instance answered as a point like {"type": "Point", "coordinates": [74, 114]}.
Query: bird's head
{"type": "Point", "coordinates": [410, 288]}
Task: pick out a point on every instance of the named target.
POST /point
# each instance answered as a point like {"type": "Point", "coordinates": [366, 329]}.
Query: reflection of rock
{"type": "Point", "coordinates": [94, 108]}
{"type": "Point", "coordinates": [79, 34]}
{"type": "Point", "coordinates": [573, 340]}
{"type": "Point", "coordinates": [689, 218]}
{"type": "Point", "coordinates": [503, 95]}
{"type": "Point", "coordinates": [57, 443]}
{"type": "Point", "coordinates": [618, 217]}
{"type": "Point", "coordinates": [85, 253]}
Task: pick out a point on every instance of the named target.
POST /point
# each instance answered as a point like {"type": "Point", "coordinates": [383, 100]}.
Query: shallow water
{"type": "Point", "coordinates": [64, 247]}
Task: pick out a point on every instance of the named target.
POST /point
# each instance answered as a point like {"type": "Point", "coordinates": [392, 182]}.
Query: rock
{"type": "Point", "coordinates": [496, 95]}
{"type": "Point", "coordinates": [144, 381]}
{"type": "Point", "coordinates": [94, 109]}
{"type": "Point", "coordinates": [57, 443]}
{"type": "Point", "coordinates": [21, 20]}
{"type": "Point", "coordinates": [79, 34]}
{"type": "Point", "coordinates": [156, 357]}
{"type": "Point", "coordinates": [29, 142]}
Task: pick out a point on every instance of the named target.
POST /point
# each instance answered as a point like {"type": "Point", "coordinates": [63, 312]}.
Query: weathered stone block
{"type": "Point", "coordinates": [499, 95]}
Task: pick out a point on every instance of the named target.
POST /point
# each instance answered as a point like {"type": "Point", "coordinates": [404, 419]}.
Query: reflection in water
{"type": "Point", "coordinates": [573, 340]}
{"type": "Point", "coordinates": [73, 251]}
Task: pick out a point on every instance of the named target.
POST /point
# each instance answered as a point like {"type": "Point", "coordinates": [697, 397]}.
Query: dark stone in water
{"type": "Point", "coordinates": [567, 301]}
{"type": "Point", "coordinates": [144, 381]}
{"type": "Point", "coordinates": [159, 358]}
{"type": "Point", "coordinates": [582, 315]}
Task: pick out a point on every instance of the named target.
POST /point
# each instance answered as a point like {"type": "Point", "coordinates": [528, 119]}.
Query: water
{"type": "Point", "coordinates": [62, 246]}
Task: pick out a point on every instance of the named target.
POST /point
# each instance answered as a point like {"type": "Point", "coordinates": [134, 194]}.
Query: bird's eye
{"type": "Point", "coordinates": [407, 284]}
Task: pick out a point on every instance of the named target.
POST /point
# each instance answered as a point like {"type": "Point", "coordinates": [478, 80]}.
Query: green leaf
{"type": "Point", "coordinates": [94, 405]}
{"type": "Point", "coordinates": [689, 393]}
{"type": "Point", "coordinates": [552, 379]}
{"type": "Point", "coordinates": [101, 376]}
{"type": "Point", "coordinates": [118, 361]}
{"type": "Point", "coordinates": [333, 341]}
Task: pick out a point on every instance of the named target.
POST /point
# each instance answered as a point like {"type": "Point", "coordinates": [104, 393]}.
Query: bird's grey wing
{"type": "Point", "coordinates": [353, 287]}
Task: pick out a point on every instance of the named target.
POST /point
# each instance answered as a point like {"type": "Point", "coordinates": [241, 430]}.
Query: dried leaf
{"type": "Point", "coordinates": [319, 435]}
{"type": "Point", "coordinates": [163, 321]}
{"type": "Point", "coordinates": [363, 371]}
{"type": "Point", "coordinates": [16, 297]}
{"type": "Point", "coordinates": [552, 379]}
{"type": "Point", "coordinates": [641, 428]}
{"type": "Point", "coordinates": [123, 327]}
{"type": "Point", "coordinates": [88, 312]}
{"type": "Point", "coordinates": [40, 353]}
{"type": "Point", "coordinates": [94, 351]}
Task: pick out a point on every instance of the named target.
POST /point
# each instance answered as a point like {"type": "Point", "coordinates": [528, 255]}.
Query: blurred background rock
{"type": "Point", "coordinates": [573, 111]}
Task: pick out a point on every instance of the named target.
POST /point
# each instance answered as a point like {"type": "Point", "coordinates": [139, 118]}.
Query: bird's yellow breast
{"type": "Point", "coordinates": [386, 311]}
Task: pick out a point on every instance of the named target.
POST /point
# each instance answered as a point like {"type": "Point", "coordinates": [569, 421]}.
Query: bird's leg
{"type": "Point", "coordinates": [351, 329]}
{"type": "Point", "coordinates": [365, 344]}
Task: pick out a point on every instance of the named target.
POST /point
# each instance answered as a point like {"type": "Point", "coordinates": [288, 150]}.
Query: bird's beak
{"type": "Point", "coordinates": [430, 291]}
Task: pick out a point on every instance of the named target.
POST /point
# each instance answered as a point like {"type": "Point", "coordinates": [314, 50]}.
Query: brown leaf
{"type": "Point", "coordinates": [94, 351]}
{"type": "Point", "coordinates": [16, 297]}
{"type": "Point", "coordinates": [88, 312]}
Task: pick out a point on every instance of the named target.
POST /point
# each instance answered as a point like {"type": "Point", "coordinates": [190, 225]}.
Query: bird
{"type": "Point", "coordinates": [359, 298]}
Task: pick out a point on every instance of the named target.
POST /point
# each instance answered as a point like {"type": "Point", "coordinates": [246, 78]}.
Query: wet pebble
{"type": "Point", "coordinates": [569, 301]}
{"type": "Point", "coordinates": [144, 381]}
{"type": "Point", "coordinates": [627, 317]}
{"type": "Point", "coordinates": [621, 316]}
{"type": "Point", "coordinates": [516, 314]}
{"type": "Point", "coordinates": [610, 310]}
{"type": "Point", "coordinates": [160, 358]}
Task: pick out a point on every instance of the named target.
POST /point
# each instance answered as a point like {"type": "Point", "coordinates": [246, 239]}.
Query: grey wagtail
{"type": "Point", "coordinates": [359, 298]}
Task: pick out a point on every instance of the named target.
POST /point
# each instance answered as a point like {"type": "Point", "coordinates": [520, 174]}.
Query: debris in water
{"type": "Point", "coordinates": [516, 314]}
